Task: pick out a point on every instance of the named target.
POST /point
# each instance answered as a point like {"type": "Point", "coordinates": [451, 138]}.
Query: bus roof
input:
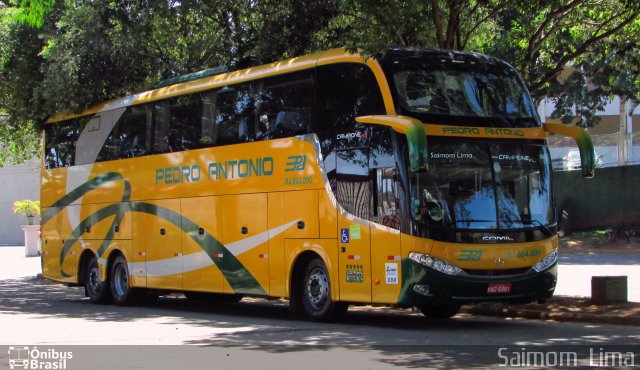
{"type": "Point", "coordinates": [219, 80]}
{"type": "Point", "coordinates": [211, 80]}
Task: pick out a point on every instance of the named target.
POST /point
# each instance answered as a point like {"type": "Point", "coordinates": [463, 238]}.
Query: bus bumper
{"type": "Point", "coordinates": [423, 286]}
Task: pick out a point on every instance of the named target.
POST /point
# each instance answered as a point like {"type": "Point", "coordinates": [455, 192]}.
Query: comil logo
{"type": "Point", "coordinates": [497, 238]}
{"type": "Point", "coordinates": [21, 357]}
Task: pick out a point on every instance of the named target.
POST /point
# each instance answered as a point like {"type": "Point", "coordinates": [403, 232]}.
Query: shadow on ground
{"type": "Point", "coordinates": [399, 338]}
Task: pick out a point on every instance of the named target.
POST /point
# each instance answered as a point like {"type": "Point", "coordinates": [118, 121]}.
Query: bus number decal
{"type": "Point", "coordinates": [470, 255]}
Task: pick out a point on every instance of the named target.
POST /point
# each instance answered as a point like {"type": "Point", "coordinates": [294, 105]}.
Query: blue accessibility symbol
{"type": "Point", "coordinates": [344, 235]}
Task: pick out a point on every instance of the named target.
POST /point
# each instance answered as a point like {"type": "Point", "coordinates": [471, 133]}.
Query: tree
{"type": "Point", "coordinates": [69, 54]}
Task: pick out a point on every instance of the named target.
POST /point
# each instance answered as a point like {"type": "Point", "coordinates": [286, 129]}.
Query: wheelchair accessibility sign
{"type": "Point", "coordinates": [344, 236]}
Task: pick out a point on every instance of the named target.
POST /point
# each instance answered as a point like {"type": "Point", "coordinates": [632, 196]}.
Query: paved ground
{"type": "Point", "coordinates": [259, 333]}
{"type": "Point", "coordinates": [570, 303]}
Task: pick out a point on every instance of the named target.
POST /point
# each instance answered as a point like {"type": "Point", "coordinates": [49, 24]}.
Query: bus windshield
{"type": "Point", "coordinates": [462, 93]}
{"type": "Point", "coordinates": [484, 185]}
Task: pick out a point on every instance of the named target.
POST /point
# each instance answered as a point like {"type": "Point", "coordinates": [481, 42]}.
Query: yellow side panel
{"type": "Point", "coordinates": [96, 230]}
{"type": "Point", "coordinates": [109, 192]}
{"type": "Point", "coordinates": [245, 233]}
{"type": "Point", "coordinates": [51, 247]}
{"type": "Point", "coordinates": [122, 231]}
{"type": "Point", "coordinates": [327, 215]}
{"type": "Point", "coordinates": [386, 266]}
{"type": "Point", "coordinates": [53, 186]}
{"type": "Point", "coordinates": [302, 206]}
{"type": "Point", "coordinates": [138, 247]}
{"type": "Point", "coordinates": [199, 271]}
{"type": "Point", "coordinates": [327, 249]}
{"type": "Point", "coordinates": [277, 266]}
{"type": "Point", "coordinates": [163, 248]}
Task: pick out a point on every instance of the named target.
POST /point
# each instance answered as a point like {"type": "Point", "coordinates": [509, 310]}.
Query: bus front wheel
{"type": "Point", "coordinates": [98, 291]}
{"type": "Point", "coordinates": [440, 312]}
{"type": "Point", "coordinates": [317, 303]}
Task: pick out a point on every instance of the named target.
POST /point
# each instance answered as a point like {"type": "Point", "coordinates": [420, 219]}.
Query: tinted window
{"type": "Point", "coordinates": [346, 91]}
{"type": "Point", "coordinates": [161, 127]}
{"type": "Point", "coordinates": [283, 106]}
{"type": "Point", "coordinates": [209, 134]}
{"type": "Point", "coordinates": [353, 183]}
{"type": "Point", "coordinates": [234, 115]}
{"type": "Point", "coordinates": [130, 136]}
{"type": "Point", "coordinates": [387, 185]}
{"type": "Point", "coordinates": [184, 122]}
{"type": "Point", "coordinates": [60, 142]}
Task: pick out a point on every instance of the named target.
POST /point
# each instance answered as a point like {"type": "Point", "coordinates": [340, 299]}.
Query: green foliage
{"type": "Point", "coordinates": [26, 208]}
{"type": "Point", "coordinates": [32, 12]}
{"type": "Point", "coordinates": [66, 55]}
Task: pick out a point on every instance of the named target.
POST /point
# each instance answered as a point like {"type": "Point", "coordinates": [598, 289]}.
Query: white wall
{"type": "Point", "coordinates": [16, 183]}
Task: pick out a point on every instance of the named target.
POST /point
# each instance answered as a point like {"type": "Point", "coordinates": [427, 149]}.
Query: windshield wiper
{"type": "Point", "coordinates": [539, 225]}
{"type": "Point", "coordinates": [542, 227]}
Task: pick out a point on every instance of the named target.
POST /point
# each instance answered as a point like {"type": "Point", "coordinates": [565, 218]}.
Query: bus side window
{"type": "Point", "coordinates": [61, 138]}
{"type": "Point", "coordinates": [386, 185]}
{"type": "Point", "coordinates": [209, 130]}
{"type": "Point", "coordinates": [343, 92]}
{"type": "Point", "coordinates": [353, 183]}
{"type": "Point", "coordinates": [50, 152]}
{"type": "Point", "coordinates": [128, 138]}
{"type": "Point", "coordinates": [161, 127]}
{"type": "Point", "coordinates": [183, 123]}
{"type": "Point", "coordinates": [234, 115]}
{"type": "Point", "coordinates": [283, 106]}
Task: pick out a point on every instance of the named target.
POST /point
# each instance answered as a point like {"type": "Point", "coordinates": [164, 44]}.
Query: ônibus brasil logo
{"type": "Point", "coordinates": [23, 357]}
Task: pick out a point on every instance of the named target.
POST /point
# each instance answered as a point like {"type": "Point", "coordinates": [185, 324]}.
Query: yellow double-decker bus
{"type": "Point", "coordinates": [420, 178]}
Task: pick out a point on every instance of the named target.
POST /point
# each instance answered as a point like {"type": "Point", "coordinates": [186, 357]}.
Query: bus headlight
{"type": "Point", "coordinates": [546, 262]}
{"type": "Point", "coordinates": [435, 263]}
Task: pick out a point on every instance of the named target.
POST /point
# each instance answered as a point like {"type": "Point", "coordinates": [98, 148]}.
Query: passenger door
{"type": "Point", "coordinates": [353, 193]}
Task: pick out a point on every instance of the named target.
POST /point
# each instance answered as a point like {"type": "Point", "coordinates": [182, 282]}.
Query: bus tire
{"type": "Point", "coordinates": [99, 292]}
{"type": "Point", "coordinates": [440, 311]}
{"type": "Point", "coordinates": [317, 303]}
{"type": "Point", "coordinates": [122, 292]}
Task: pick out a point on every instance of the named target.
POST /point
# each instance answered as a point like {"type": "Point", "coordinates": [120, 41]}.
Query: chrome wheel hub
{"type": "Point", "coordinates": [317, 289]}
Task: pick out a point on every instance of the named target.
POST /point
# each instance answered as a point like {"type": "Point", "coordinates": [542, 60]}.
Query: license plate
{"type": "Point", "coordinates": [500, 288]}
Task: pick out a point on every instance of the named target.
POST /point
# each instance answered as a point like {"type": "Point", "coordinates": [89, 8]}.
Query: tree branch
{"type": "Point", "coordinates": [465, 39]}
{"type": "Point", "coordinates": [437, 21]}
{"type": "Point", "coordinates": [532, 45]}
{"type": "Point", "coordinates": [579, 51]}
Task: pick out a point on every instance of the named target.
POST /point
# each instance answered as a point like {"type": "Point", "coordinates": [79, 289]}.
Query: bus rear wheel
{"type": "Point", "coordinates": [317, 303]}
{"type": "Point", "coordinates": [122, 292]}
{"type": "Point", "coordinates": [440, 312]}
{"type": "Point", "coordinates": [99, 292]}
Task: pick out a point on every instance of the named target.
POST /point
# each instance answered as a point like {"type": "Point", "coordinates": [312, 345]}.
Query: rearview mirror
{"type": "Point", "coordinates": [413, 129]}
{"type": "Point", "coordinates": [585, 145]}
